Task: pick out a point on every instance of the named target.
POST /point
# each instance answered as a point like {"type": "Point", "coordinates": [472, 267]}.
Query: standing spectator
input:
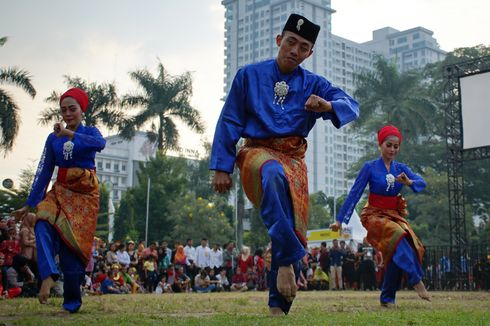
{"type": "Point", "coordinates": [229, 259]}
{"type": "Point", "coordinates": [245, 260]}
{"type": "Point", "coordinates": [133, 254]}
{"type": "Point", "coordinates": [336, 257]}
{"type": "Point", "coordinates": [150, 273]}
{"type": "Point", "coordinates": [180, 259]}
{"type": "Point", "coordinates": [151, 250]}
{"type": "Point", "coordinates": [367, 272]}
{"type": "Point", "coordinates": [348, 268]}
{"type": "Point", "coordinates": [324, 258]}
{"type": "Point", "coordinates": [10, 247]}
{"type": "Point", "coordinates": [216, 258]}
{"type": "Point", "coordinates": [203, 254]}
{"type": "Point", "coordinates": [190, 252]}
{"type": "Point", "coordinates": [122, 256]}
{"type": "Point", "coordinates": [27, 238]}
{"type": "Point", "coordinates": [164, 247]}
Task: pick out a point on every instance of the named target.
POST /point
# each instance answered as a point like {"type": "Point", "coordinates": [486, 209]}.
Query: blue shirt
{"type": "Point", "coordinates": [86, 140]}
{"type": "Point", "coordinates": [251, 109]}
{"type": "Point", "coordinates": [374, 172]}
{"type": "Point", "coordinates": [336, 257]}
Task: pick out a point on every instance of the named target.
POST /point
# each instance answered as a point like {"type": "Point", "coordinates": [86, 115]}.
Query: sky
{"type": "Point", "coordinates": [102, 41]}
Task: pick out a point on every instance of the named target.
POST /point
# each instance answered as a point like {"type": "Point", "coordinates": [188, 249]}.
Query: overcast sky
{"type": "Point", "coordinates": [102, 41]}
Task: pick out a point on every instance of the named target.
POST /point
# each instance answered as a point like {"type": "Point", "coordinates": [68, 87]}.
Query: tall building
{"type": "Point", "coordinates": [250, 30]}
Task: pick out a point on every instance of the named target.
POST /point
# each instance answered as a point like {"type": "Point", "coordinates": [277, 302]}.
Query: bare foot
{"type": "Point", "coordinates": [286, 284]}
{"type": "Point", "coordinates": [276, 311]}
{"type": "Point", "coordinates": [421, 291]}
{"type": "Point", "coordinates": [45, 289]}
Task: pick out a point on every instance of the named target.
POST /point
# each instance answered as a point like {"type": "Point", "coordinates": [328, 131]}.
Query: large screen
{"type": "Point", "coordinates": [475, 110]}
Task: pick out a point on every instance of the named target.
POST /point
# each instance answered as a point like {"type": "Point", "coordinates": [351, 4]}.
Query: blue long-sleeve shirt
{"type": "Point", "coordinates": [374, 172]}
{"type": "Point", "coordinates": [87, 141]}
{"type": "Point", "coordinates": [251, 109]}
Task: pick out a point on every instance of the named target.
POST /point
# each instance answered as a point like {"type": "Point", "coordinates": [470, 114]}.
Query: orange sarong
{"type": "Point", "coordinates": [71, 207]}
{"type": "Point", "coordinates": [290, 153]}
{"type": "Point", "coordinates": [387, 227]}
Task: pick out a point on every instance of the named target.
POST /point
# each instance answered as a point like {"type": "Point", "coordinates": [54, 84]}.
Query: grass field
{"type": "Point", "coordinates": [310, 308]}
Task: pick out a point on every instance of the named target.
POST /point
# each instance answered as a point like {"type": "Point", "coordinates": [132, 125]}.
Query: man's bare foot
{"type": "Point", "coordinates": [276, 311]}
{"type": "Point", "coordinates": [388, 305]}
{"type": "Point", "coordinates": [421, 291]}
{"type": "Point", "coordinates": [45, 289]}
{"type": "Point", "coordinates": [286, 282]}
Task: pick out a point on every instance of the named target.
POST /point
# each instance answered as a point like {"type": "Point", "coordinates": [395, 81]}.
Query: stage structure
{"type": "Point", "coordinates": [467, 125]}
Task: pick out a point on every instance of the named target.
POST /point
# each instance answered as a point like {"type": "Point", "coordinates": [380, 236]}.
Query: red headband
{"type": "Point", "coordinates": [79, 95]}
{"type": "Point", "coordinates": [388, 131]}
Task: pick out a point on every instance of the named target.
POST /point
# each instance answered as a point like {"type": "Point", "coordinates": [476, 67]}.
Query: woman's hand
{"type": "Point", "coordinates": [317, 104]}
{"type": "Point", "coordinates": [60, 130]}
{"type": "Point", "coordinates": [337, 226]}
{"type": "Point", "coordinates": [402, 178]}
{"type": "Point", "coordinates": [20, 213]}
{"type": "Point", "coordinates": [221, 182]}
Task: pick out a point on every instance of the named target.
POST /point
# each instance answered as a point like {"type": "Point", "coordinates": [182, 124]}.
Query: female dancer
{"type": "Point", "coordinates": [384, 216]}
{"type": "Point", "coordinates": [67, 214]}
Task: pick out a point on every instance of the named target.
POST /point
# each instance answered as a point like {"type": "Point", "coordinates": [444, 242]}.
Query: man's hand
{"type": "Point", "coordinates": [316, 104]}
{"type": "Point", "coordinates": [221, 182]}
{"type": "Point", "coordinates": [336, 226]}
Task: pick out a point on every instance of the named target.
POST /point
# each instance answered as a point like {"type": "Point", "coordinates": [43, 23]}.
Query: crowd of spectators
{"type": "Point", "coordinates": [129, 267]}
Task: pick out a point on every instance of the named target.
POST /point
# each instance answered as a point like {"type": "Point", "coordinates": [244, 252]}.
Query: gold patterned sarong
{"type": "Point", "coordinates": [290, 153]}
{"type": "Point", "coordinates": [71, 207]}
{"type": "Point", "coordinates": [387, 227]}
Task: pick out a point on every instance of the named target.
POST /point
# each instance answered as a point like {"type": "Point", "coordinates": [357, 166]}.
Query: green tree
{"type": "Point", "coordinates": [319, 216]}
{"type": "Point", "coordinates": [164, 99]}
{"type": "Point", "coordinates": [168, 183]}
{"type": "Point", "coordinates": [258, 236]}
{"type": "Point", "coordinates": [16, 198]}
{"type": "Point", "coordinates": [102, 104]}
{"type": "Point", "coordinates": [390, 97]}
{"type": "Point", "coordinates": [198, 218]}
{"type": "Point", "coordinates": [9, 110]}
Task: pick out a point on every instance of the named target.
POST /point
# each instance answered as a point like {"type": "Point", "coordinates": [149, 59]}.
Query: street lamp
{"type": "Point", "coordinates": [110, 211]}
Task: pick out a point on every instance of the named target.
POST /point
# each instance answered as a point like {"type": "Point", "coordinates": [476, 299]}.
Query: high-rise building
{"type": "Point", "coordinates": [250, 30]}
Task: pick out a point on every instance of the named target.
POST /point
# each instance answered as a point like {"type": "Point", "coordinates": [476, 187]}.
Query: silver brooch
{"type": "Point", "coordinates": [281, 90]}
{"type": "Point", "coordinates": [390, 181]}
{"type": "Point", "coordinates": [68, 150]}
{"type": "Point", "coordinates": [300, 22]}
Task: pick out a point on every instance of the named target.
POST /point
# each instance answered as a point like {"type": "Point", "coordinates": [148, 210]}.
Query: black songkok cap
{"type": "Point", "coordinates": [303, 27]}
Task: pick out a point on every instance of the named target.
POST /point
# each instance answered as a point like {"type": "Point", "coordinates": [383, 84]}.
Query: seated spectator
{"type": "Point", "coordinates": [223, 283]}
{"type": "Point", "coordinates": [137, 286]}
{"type": "Point", "coordinates": [11, 246]}
{"type": "Point", "coordinates": [20, 276]}
{"type": "Point", "coordinates": [302, 282]}
{"type": "Point", "coordinates": [251, 279]}
{"type": "Point", "coordinates": [5, 291]}
{"type": "Point", "coordinates": [163, 286]}
{"type": "Point", "coordinates": [320, 278]}
{"type": "Point", "coordinates": [182, 282]}
{"type": "Point", "coordinates": [108, 286]}
{"type": "Point", "coordinates": [118, 279]}
{"type": "Point", "coordinates": [239, 281]}
{"type": "Point", "coordinates": [213, 279]}
{"type": "Point", "coordinates": [202, 283]}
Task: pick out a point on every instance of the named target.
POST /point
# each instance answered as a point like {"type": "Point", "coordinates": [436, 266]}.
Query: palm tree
{"type": "Point", "coordinates": [102, 105]}
{"type": "Point", "coordinates": [387, 96]}
{"type": "Point", "coordinates": [164, 99]}
{"type": "Point", "coordinates": [9, 110]}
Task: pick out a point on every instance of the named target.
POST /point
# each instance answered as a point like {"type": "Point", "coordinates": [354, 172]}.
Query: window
{"type": "Point", "coordinates": [116, 167]}
{"type": "Point", "coordinates": [108, 165]}
{"type": "Point", "coordinates": [99, 165]}
{"type": "Point", "coordinates": [123, 167]}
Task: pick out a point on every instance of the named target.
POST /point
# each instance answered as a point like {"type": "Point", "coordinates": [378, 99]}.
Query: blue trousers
{"type": "Point", "coordinates": [49, 244]}
{"type": "Point", "coordinates": [276, 209]}
{"type": "Point", "coordinates": [404, 261]}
